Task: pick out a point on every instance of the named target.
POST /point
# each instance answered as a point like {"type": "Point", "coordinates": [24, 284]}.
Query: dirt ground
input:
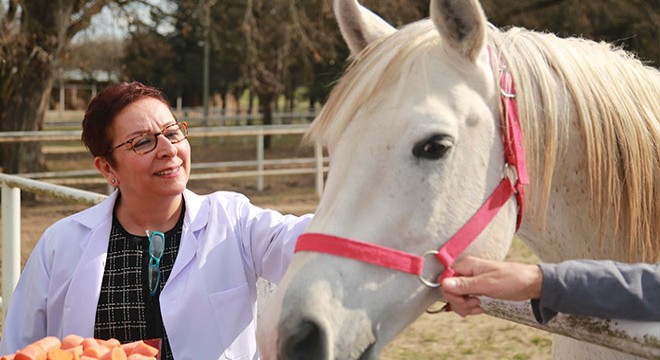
{"type": "Point", "coordinates": [439, 336]}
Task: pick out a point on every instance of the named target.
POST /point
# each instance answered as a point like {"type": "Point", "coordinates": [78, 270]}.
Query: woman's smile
{"type": "Point", "coordinates": [169, 172]}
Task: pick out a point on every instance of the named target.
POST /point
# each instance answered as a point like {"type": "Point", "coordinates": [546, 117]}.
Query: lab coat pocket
{"type": "Point", "coordinates": [233, 313]}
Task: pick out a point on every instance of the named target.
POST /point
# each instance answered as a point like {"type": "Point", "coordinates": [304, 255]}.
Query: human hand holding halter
{"type": "Point", "coordinates": [495, 279]}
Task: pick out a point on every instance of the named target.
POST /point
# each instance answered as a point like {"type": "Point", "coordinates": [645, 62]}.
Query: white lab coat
{"type": "Point", "coordinates": [209, 302]}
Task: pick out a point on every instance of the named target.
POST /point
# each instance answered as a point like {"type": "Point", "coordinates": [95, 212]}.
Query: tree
{"type": "Point", "coordinates": [630, 24]}
{"type": "Point", "coordinates": [181, 48]}
{"type": "Point", "coordinates": [228, 45]}
{"type": "Point", "coordinates": [86, 57]}
{"type": "Point", "coordinates": [277, 46]}
{"type": "Point", "coordinates": [271, 36]}
{"type": "Point", "coordinates": [150, 59]}
{"type": "Point", "coordinates": [33, 36]}
{"type": "Point", "coordinates": [260, 44]}
{"type": "Point", "coordinates": [317, 64]}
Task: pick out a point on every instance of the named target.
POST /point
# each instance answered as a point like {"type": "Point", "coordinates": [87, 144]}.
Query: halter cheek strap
{"type": "Point", "coordinates": [477, 223]}
{"type": "Point", "coordinates": [514, 153]}
{"type": "Point", "coordinates": [413, 264]}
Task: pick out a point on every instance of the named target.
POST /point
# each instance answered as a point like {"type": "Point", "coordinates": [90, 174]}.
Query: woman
{"type": "Point", "coordinates": [154, 260]}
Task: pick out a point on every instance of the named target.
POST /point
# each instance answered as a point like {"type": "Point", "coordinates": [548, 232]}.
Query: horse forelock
{"type": "Point", "coordinates": [613, 98]}
{"type": "Point", "coordinates": [378, 69]}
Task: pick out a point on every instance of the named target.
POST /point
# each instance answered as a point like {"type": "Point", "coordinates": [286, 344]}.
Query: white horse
{"type": "Point", "coordinates": [414, 136]}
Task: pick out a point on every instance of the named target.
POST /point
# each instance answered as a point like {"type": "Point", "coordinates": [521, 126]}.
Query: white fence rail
{"type": "Point", "coordinates": [318, 161]}
{"type": "Point", "coordinates": [641, 339]}
{"type": "Point", "coordinates": [194, 116]}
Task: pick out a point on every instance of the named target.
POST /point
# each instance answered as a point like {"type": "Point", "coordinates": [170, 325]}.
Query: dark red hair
{"type": "Point", "coordinates": [103, 109]}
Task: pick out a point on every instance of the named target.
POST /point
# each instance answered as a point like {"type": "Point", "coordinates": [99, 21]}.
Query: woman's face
{"type": "Point", "coordinates": [162, 172]}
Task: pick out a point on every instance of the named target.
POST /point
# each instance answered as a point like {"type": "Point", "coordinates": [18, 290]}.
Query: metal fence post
{"type": "Point", "coordinates": [11, 242]}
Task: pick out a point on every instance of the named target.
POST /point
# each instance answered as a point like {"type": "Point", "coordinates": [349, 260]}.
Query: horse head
{"type": "Point", "coordinates": [413, 134]}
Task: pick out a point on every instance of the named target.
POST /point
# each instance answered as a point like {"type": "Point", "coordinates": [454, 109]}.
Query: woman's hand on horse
{"type": "Point", "coordinates": [496, 279]}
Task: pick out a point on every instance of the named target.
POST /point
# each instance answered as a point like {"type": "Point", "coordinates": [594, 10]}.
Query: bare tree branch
{"type": "Point", "coordinates": [82, 17]}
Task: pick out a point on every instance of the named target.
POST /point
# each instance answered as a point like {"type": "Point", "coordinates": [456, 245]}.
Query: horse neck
{"type": "Point", "coordinates": [561, 221]}
{"type": "Point", "coordinates": [563, 226]}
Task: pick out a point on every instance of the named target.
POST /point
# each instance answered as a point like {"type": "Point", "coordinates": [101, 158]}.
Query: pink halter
{"type": "Point", "coordinates": [401, 261]}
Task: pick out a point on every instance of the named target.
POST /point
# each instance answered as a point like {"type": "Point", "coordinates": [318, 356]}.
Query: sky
{"type": "Point", "coordinates": [111, 23]}
{"type": "Point", "coordinates": [106, 24]}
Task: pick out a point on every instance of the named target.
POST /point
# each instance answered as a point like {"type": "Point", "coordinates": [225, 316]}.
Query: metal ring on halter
{"type": "Point", "coordinates": [510, 172]}
{"type": "Point", "coordinates": [421, 276]}
{"type": "Point", "coordinates": [506, 93]}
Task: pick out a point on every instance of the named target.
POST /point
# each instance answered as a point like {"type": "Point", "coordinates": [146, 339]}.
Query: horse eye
{"type": "Point", "coordinates": [434, 147]}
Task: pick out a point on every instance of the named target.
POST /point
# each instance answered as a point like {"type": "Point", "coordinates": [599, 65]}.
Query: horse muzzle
{"type": "Point", "coordinates": [317, 326]}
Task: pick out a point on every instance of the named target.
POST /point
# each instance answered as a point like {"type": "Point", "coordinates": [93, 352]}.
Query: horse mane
{"type": "Point", "coordinates": [611, 96]}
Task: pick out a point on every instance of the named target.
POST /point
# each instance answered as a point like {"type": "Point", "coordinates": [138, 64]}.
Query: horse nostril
{"type": "Point", "coordinates": [308, 341]}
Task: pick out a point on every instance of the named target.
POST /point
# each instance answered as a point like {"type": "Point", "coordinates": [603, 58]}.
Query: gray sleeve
{"type": "Point", "coordinates": [599, 288]}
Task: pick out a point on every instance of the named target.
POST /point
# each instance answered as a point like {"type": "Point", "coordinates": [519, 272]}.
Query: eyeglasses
{"type": "Point", "coordinates": [146, 142]}
{"type": "Point", "coordinates": [156, 248]}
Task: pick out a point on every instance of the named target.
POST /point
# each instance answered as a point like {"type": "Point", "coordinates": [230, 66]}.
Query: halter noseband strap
{"type": "Point", "coordinates": [413, 264]}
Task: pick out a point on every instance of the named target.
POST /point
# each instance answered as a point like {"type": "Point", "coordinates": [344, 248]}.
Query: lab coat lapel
{"type": "Point", "coordinates": [83, 293]}
{"type": "Point", "coordinates": [195, 220]}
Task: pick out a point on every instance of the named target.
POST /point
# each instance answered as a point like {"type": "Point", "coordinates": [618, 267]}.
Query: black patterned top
{"type": "Point", "coordinates": [126, 311]}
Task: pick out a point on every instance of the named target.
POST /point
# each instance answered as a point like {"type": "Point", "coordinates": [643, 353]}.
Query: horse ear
{"type": "Point", "coordinates": [462, 23]}
{"type": "Point", "coordinates": [359, 26]}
